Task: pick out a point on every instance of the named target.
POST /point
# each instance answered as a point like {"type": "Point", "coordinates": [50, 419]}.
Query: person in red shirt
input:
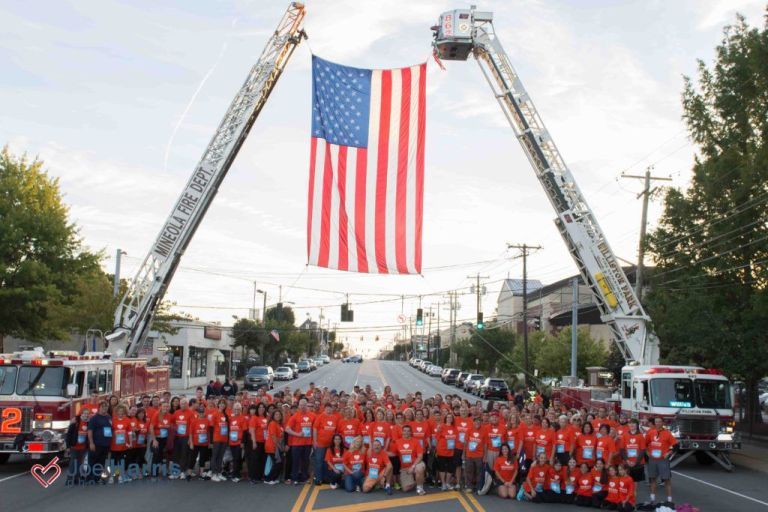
{"type": "Point", "coordinates": [379, 469]}
{"type": "Point", "coordinates": [77, 442]}
{"type": "Point", "coordinates": [237, 427]}
{"type": "Point", "coordinates": [274, 447]}
{"type": "Point", "coordinates": [159, 430]}
{"type": "Point", "coordinates": [626, 490]}
{"type": "Point", "coordinates": [420, 430]}
{"type": "Point", "coordinates": [584, 483]}
{"type": "Point", "coordinates": [334, 460]}
{"type": "Point", "coordinates": [505, 470]}
{"type": "Point", "coordinates": [411, 456]}
{"type": "Point", "coordinates": [354, 465]}
{"type": "Point", "coordinates": [612, 495]}
{"type": "Point", "coordinates": [220, 426]}
{"type": "Point", "coordinates": [555, 483]}
{"type": "Point", "coordinates": [365, 429]}
{"type": "Point", "coordinates": [122, 441]}
{"type": "Point", "coordinates": [447, 436]}
{"type": "Point", "coordinates": [199, 442]}
{"type": "Point", "coordinates": [564, 440]}
{"type": "Point", "coordinates": [584, 447]}
{"type": "Point", "coordinates": [141, 431]}
{"type": "Point", "coordinates": [299, 429]}
{"type": "Point", "coordinates": [537, 480]}
{"type": "Point", "coordinates": [257, 433]}
{"type": "Point", "coordinates": [605, 447]}
{"type": "Point", "coordinates": [633, 450]}
{"type": "Point", "coordinates": [599, 482]}
{"type": "Point", "coordinates": [349, 427]}
{"type": "Point", "coordinates": [527, 435]}
{"type": "Point", "coordinates": [474, 455]}
{"type": "Point", "coordinates": [463, 425]}
{"type": "Point", "coordinates": [659, 443]}
{"type": "Point", "coordinates": [182, 421]}
{"type": "Point", "coordinates": [323, 429]}
{"type": "Point", "coordinates": [545, 440]}
{"type": "Point", "coordinates": [495, 435]}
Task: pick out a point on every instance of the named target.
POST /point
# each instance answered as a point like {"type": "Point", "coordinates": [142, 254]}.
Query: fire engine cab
{"type": "Point", "coordinates": [41, 392]}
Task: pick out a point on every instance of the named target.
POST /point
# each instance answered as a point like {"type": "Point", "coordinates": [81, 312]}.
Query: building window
{"type": "Point", "coordinates": [198, 362]}
{"type": "Point", "coordinates": [223, 362]}
{"type": "Point", "coordinates": [175, 358]}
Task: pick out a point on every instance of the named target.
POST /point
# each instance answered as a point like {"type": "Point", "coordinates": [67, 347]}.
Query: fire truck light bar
{"type": "Point", "coordinates": [664, 369]}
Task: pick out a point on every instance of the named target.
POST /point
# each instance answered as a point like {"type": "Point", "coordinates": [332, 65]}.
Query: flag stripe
{"type": "Point", "coordinates": [333, 236]}
{"type": "Point", "coordinates": [343, 247]}
{"type": "Point", "coordinates": [402, 170]}
{"type": "Point", "coordinates": [391, 203]}
{"type": "Point", "coordinates": [325, 224]}
{"type": "Point", "coordinates": [310, 193]}
{"type": "Point", "coordinates": [420, 162]}
{"type": "Point", "coordinates": [413, 134]}
{"type": "Point", "coordinates": [317, 200]}
{"type": "Point", "coordinates": [371, 171]}
{"type": "Point", "coordinates": [360, 223]}
{"type": "Point", "coordinates": [381, 172]}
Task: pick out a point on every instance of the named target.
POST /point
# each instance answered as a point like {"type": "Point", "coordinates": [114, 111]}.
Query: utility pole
{"type": "Point", "coordinates": [524, 250]}
{"type": "Point", "coordinates": [255, 290]}
{"type": "Point", "coordinates": [439, 337]}
{"type": "Point", "coordinates": [574, 326]}
{"type": "Point", "coordinates": [429, 332]}
{"type": "Point", "coordinates": [478, 291]}
{"type": "Point", "coordinates": [645, 194]}
{"type": "Point", "coordinates": [116, 281]}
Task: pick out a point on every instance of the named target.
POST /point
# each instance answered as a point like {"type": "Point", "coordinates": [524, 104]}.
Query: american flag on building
{"type": "Point", "coordinates": [366, 176]}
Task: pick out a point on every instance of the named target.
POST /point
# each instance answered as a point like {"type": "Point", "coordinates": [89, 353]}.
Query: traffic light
{"type": "Point", "coordinates": [480, 323]}
{"type": "Point", "coordinates": [419, 316]}
{"type": "Point", "coordinates": [347, 315]}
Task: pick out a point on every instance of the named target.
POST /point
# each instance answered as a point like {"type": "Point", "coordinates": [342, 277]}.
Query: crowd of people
{"type": "Point", "coordinates": [362, 441]}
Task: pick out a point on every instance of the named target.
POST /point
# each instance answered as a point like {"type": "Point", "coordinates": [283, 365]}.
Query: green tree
{"type": "Point", "coordinates": [246, 335]}
{"type": "Point", "coordinates": [709, 297]}
{"type": "Point", "coordinates": [553, 355]}
{"type": "Point", "coordinates": [485, 351]}
{"type": "Point", "coordinates": [43, 264]}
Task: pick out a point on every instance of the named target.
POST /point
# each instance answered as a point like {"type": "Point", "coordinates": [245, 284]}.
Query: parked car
{"type": "Point", "coordinates": [352, 359]}
{"type": "Point", "coordinates": [494, 389]}
{"type": "Point", "coordinates": [326, 359]}
{"type": "Point", "coordinates": [434, 371]}
{"type": "Point", "coordinates": [304, 366]}
{"type": "Point", "coordinates": [295, 368]}
{"type": "Point", "coordinates": [460, 378]}
{"type": "Point", "coordinates": [424, 365]}
{"type": "Point", "coordinates": [449, 375]}
{"type": "Point", "coordinates": [312, 364]}
{"type": "Point", "coordinates": [283, 373]}
{"type": "Point", "coordinates": [415, 362]}
{"type": "Point", "coordinates": [471, 381]}
{"type": "Point", "coordinates": [258, 376]}
{"type": "Point", "coordinates": [319, 361]}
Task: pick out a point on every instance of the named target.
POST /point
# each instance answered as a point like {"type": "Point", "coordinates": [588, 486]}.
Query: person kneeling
{"type": "Point", "coordinates": [379, 470]}
{"type": "Point", "coordinates": [505, 473]}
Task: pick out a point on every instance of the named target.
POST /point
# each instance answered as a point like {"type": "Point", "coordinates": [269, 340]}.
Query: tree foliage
{"type": "Point", "coordinates": [485, 350]}
{"type": "Point", "coordinates": [45, 273]}
{"type": "Point", "coordinates": [710, 295]}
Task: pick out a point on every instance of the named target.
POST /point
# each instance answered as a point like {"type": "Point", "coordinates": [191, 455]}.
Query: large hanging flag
{"type": "Point", "coordinates": [366, 172]}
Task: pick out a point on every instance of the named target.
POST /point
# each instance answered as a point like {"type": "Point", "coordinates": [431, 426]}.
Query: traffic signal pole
{"type": "Point", "coordinates": [524, 249]}
{"type": "Point", "coordinates": [478, 290]}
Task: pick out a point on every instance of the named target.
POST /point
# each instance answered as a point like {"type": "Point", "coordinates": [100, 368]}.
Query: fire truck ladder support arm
{"type": "Point", "coordinates": [138, 306]}
{"type": "Point", "coordinates": [466, 31]}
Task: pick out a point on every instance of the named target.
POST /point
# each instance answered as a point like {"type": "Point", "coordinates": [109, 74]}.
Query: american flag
{"type": "Point", "coordinates": [366, 173]}
{"type": "Point", "coordinates": [275, 334]}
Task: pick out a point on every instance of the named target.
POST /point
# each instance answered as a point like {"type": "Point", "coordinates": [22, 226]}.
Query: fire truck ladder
{"type": "Point", "coordinates": [138, 306]}
{"type": "Point", "coordinates": [597, 264]}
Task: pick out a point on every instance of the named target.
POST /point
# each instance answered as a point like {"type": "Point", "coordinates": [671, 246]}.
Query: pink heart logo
{"type": "Point", "coordinates": [39, 472]}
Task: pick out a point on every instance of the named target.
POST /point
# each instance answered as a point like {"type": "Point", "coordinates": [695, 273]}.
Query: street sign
{"type": "Point", "coordinates": [401, 318]}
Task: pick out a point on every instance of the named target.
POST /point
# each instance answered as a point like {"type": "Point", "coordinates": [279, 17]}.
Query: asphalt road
{"type": "Point", "coordinates": [706, 487]}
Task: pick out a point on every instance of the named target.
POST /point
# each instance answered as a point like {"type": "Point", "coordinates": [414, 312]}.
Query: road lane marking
{"type": "Point", "coordinates": [300, 500]}
{"type": "Point", "coordinates": [722, 488]}
{"type": "Point", "coordinates": [476, 503]}
{"type": "Point", "coordinates": [313, 497]}
{"type": "Point", "coordinates": [395, 503]}
{"type": "Point", "coordinates": [12, 476]}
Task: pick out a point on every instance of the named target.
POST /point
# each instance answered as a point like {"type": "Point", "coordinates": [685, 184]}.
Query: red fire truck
{"type": "Point", "coordinates": [41, 392]}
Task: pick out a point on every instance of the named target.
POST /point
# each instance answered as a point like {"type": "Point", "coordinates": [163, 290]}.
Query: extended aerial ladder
{"type": "Point", "coordinates": [140, 303]}
{"type": "Point", "coordinates": [467, 31]}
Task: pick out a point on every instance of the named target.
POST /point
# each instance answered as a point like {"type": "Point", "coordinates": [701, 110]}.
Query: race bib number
{"type": "Point", "coordinates": [348, 440]}
{"type": "Point", "coordinates": [451, 443]}
{"type": "Point", "coordinates": [306, 432]}
{"type": "Point", "coordinates": [120, 439]}
{"type": "Point", "coordinates": [107, 431]}
{"type": "Point", "coordinates": [141, 439]}
{"type": "Point", "coordinates": [338, 467]}
{"type": "Point", "coordinates": [181, 429]}
{"type": "Point", "coordinates": [539, 449]}
{"type": "Point", "coordinates": [356, 467]}
{"type": "Point", "coordinates": [421, 443]}
{"type": "Point", "coordinates": [233, 436]}
{"type": "Point", "coordinates": [599, 453]}
{"type": "Point", "coordinates": [367, 440]}
{"type": "Point", "coordinates": [223, 430]}
{"type": "Point", "coordinates": [632, 453]}
{"type": "Point", "coordinates": [597, 488]}
{"type": "Point", "coordinates": [380, 440]}
{"type": "Point", "coordinates": [539, 487]}
{"type": "Point", "coordinates": [587, 453]}
{"type": "Point", "coordinates": [555, 487]}
{"type": "Point", "coordinates": [265, 435]}
{"type": "Point", "coordinates": [656, 453]}
{"type": "Point", "coordinates": [202, 438]}
{"type": "Point", "coordinates": [373, 473]}
{"type": "Point", "coordinates": [163, 432]}
{"type": "Point", "coordinates": [461, 437]}
{"type": "Point", "coordinates": [560, 448]}
{"type": "Point", "coordinates": [569, 488]}
{"type": "Point", "coordinates": [81, 438]}
{"type": "Point", "coordinates": [496, 441]}
{"type": "Point", "coordinates": [472, 446]}
{"type": "Point", "coordinates": [407, 458]}
{"type": "Point", "coordinates": [511, 444]}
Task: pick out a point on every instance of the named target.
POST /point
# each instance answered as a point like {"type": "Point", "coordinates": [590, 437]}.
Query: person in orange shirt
{"type": "Point", "coordinates": [605, 446]}
{"type": "Point", "coordinates": [584, 486]}
{"type": "Point", "coordinates": [599, 483]}
{"type": "Point", "coordinates": [379, 469]}
{"type": "Point", "coordinates": [537, 480]}
{"type": "Point", "coordinates": [612, 495]}
{"type": "Point", "coordinates": [299, 430]}
{"type": "Point", "coordinates": [182, 420]}
{"type": "Point", "coordinates": [447, 436]}
{"type": "Point", "coordinates": [349, 427]}
{"type": "Point", "coordinates": [495, 436]}
{"type": "Point", "coordinates": [77, 442]}
{"type": "Point", "coordinates": [411, 456]}
{"type": "Point", "coordinates": [122, 441]}
{"type": "Point", "coordinates": [563, 441]}
{"type": "Point", "coordinates": [463, 426]}
{"type": "Point", "coordinates": [274, 447]}
{"type": "Point", "coordinates": [354, 465]}
{"type": "Point", "coordinates": [545, 440]}
{"type": "Point", "coordinates": [257, 433]}
{"type": "Point", "coordinates": [555, 483]}
{"type": "Point", "coordinates": [369, 419]}
{"type": "Point", "coordinates": [199, 442]}
{"type": "Point", "coordinates": [659, 443]}
{"type": "Point", "coordinates": [626, 490]}
{"type": "Point", "coordinates": [505, 471]}
{"type": "Point", "coordinates": [323, 429]}
{"type": "Point", "coordinates": [220, 426]}
{"type": "Point", "coordinates": [527, 436]}
{"type": "Point", "coordinates": [160, 429]}
{"type": "Point", "coordinates": [141, 431]}
{"type": "Point", "coordinates": [474, 455]}
{"type": "Point", "coordinates": [334, 460]}
{"type": "Point", "coordinates": [633, 450]}
{"type": "Point", "coordinates": [420, 430]}
{"type": "Point", "coordinates": [237, 427]}
{"type": "Point", "coordinates": [584, 447]}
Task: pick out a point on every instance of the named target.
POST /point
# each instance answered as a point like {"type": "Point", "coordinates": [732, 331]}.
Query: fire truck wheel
{"type": "Point", "coordinates": [4, 457]}
{"type": "Point", "coordinates": [703, 459]}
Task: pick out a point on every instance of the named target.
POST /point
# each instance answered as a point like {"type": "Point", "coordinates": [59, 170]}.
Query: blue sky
{"type": "Point", "coordinates": [98, 89]}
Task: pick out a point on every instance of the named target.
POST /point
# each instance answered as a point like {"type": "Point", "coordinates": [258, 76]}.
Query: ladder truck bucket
{"type": "Point", "coordinates": [453, 35]}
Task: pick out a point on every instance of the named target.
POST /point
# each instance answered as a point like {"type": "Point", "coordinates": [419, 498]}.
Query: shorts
{"type": "Point", "coordinates": [457, 458]}
{"type": "Point", "coordinates": [658, 469]}
{"type": "Point", "coordinates": [409, 479]}
{"type": "Point", "coordinates": [637, 473]}
{"type": "Point", "coordinates": [446, 464]}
